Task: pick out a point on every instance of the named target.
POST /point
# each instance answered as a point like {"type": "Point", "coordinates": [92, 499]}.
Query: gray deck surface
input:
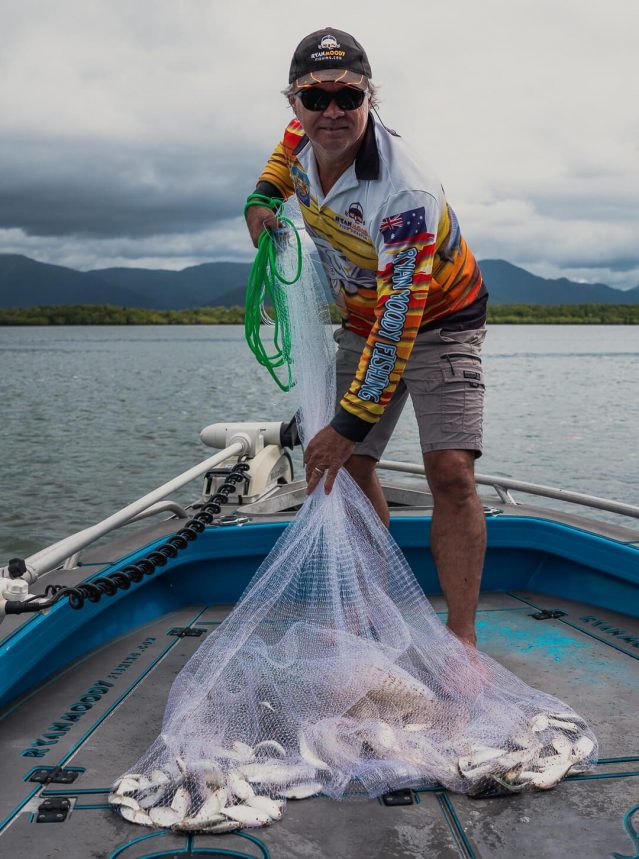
{"type": "Point", "coordinates": [588, 665]}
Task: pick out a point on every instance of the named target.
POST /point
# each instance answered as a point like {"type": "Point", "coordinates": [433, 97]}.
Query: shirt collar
{"type": "Point", "coordinates": [367, 158]}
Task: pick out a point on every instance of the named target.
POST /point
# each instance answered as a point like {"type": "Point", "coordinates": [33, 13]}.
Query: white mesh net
{"type": "Point", "coordinates": [333, 674]}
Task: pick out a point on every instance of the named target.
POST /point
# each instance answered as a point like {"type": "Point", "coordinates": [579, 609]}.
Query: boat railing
{"type": "Point", "coordinates": [161, 507]}
{"type": "Point", "coordinates": [65, 552]}
{"type": "Point", "coordinates": [56, 554]}
{"type": "Point", "coordinates": [503, 485]}
{"type": "Point", "coordinates": [236, 440]}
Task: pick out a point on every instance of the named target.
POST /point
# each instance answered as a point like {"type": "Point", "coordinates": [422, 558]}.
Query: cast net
{"type": "Point", "coordinates": [333, 674]}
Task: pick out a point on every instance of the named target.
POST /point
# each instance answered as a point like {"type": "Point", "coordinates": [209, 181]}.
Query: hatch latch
{"type": "Point", "coordinates": [54, 775]}
{"type": "Point", "coordinates": [547, 615]}
{"type": "Point", "coordinates": [399, 797]}
{"type": "Point", "coordinates": [186, 631]}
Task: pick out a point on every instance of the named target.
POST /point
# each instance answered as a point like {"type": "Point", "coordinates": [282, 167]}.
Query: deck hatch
{"type": "Point", "coordinates": [399, 797]}
{"type": "Point", "coordinates": [186, 631]}
{"type": "Point", "coordinates": [54, 810]}
{"type": "Point", "coordinates": [55, 775]}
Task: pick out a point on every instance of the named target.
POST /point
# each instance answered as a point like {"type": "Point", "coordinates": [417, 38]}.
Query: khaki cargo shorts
{"type": "Point", "coordinates": [445, 380]}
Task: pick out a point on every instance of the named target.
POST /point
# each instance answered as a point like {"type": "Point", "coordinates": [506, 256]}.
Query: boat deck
{"type": "Point", "coordinates": [95, 717]}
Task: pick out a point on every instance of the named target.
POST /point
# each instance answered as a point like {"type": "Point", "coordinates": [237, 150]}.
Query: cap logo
{"type": "Point", "coordinates": [328, 42]}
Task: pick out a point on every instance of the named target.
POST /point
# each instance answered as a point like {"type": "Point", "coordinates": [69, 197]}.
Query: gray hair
{"type": "Point", "coordinates": [372, 91]}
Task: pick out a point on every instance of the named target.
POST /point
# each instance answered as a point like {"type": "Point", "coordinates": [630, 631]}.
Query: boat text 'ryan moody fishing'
{"type": "Point", "coordinates": [59, 729]}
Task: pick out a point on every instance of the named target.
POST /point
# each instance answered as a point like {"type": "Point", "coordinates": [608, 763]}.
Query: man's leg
{"type": "Point", "coordinates": [362, 470]}
{"type": "Point", "coordinates": [458, 535]}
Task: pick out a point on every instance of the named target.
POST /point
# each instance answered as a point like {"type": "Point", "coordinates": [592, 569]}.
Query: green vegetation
{"type": "Point", "coordinates": [563, 314]}
{"type": "Point", "coordinates": [108, 314]}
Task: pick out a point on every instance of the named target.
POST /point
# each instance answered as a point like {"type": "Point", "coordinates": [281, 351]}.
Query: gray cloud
{"type": "Point", "coordinates": [132, 132]}
{"type": "Point", "coordinates": [88, 188]}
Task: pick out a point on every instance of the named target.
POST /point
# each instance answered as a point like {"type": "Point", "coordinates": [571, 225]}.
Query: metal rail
{"type": "Point", "coordinates": [161, 507]}
{"type": "Point", "coordinates": [51, 557]}
{"type": "Point", "coordinates": [502, 484]}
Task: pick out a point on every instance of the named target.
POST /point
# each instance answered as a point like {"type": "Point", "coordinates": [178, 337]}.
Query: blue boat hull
{"type": "Point", "coordinates": [524, 554]}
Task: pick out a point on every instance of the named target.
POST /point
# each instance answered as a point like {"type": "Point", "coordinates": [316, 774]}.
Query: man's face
{"type": "Point", "coordinates": [333, 129]}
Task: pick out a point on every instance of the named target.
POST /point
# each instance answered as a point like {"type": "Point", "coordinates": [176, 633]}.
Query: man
{"type": "Point", "coordinates": [411, 297]}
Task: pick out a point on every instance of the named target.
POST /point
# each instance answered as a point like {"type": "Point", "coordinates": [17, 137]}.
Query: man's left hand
{"type": "Point", "coordinates": [326, 453]}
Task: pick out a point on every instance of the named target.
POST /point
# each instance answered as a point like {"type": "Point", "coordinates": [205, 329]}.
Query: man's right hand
{"type": "Point", "coordinates": [259, 218]}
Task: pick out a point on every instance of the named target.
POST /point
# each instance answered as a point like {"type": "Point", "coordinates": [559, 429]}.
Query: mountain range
{"type": "Point", "coordinates": [24, 282]}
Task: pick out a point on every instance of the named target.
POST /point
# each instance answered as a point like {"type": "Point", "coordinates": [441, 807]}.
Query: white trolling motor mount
{"type": "Point", "coordinates": [266, 446]}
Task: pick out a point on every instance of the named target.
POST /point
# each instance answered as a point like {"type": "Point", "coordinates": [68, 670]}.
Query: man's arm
{"type": "Point", "coordinates": [260, 218]}
{"type": "Point", "coordinates": [275, 182]}
{"type": "Point", "coordinates": [405, 238]}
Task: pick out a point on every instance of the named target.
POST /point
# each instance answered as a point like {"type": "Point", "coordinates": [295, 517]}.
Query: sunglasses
{"type": "Point", "coordinates": [347, 98]}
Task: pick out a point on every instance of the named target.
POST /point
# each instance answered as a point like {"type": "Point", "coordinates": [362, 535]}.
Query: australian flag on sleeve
{"type": "Point", "coordinates": [405, 228]}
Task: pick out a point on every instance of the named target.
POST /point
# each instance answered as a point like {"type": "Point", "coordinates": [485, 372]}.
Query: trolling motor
{"type": "Point", "coordinates": [269, 460]}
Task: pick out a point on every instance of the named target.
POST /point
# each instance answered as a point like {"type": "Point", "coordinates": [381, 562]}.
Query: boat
{"type": "Point", "coordinates": [95, 628]}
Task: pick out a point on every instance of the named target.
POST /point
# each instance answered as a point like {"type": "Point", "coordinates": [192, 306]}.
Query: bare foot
{"type": "Point", "coordinates": [468, 636]}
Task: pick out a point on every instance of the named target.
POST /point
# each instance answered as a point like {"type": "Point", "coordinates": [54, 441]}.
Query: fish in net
{"type": "Point", "coordinates": [333, 674]}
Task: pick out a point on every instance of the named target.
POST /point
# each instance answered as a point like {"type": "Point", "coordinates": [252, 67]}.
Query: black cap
{"type": "Point", "coordinates": [329, 55]}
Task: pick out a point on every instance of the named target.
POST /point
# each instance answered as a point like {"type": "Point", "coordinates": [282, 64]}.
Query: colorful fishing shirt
{"type": "Point", "coordinates": [393, 254]}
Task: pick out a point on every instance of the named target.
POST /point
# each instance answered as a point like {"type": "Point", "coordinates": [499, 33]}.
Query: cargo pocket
{"type": "Point", "coordinates": [462, 399]}
{"type": "Point", "coordinates": [473, 337]}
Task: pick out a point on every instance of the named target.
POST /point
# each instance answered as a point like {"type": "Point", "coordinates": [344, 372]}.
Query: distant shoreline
{"type": "Point", "coordinates": [498, 314]}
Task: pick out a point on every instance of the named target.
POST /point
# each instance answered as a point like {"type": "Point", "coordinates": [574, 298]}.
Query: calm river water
{"type": "Point", "coordinates": [93, 417]}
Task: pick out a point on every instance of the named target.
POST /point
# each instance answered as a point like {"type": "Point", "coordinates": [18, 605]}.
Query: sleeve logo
{"type": "Point", "coordinates": [405, 227]}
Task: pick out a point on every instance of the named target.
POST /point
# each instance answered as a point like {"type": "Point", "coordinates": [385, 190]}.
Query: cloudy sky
{"type": "Point", "coordinates": [132, 130]}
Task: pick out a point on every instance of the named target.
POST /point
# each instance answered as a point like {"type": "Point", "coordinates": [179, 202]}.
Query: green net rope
{"type": "Point", "coordinates": [265, 286]}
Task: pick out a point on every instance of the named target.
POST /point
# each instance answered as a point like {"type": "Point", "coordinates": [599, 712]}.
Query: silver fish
{"type": "Point", "coordinates": [122, 800]}
{"type": "Point", "coordinates": [246, 815]}
{"type": "Point", "coordinates": [549, 777]}
{"type": "Point", "coordinates": [301, 791]}
{"type": "Point", "coordinates": [134, 776]}
{"type": "Point", "coordinates": [494, 765]}
{"type": "Point", "coordinates": [181, 801]}
{"type": "Point", "coordinates": [209, 769]}
{"type": "Point", "coordinates": [213, 804]}
{"type": "Point", "coordinates": [198, 823]}
{"type": "Point", "coordinates": [165, 817]}
{"type": "Point", "coordinates": [562, 744]}
{"type": "Point", "coordinates": [381, 736]}
{"type": "Point", "coordinates": [309, 755]}
{"type": "Point", "coordinates": [539, 722]}
{"type": "Point", "coordinates": [564, 724]}
{"type": "Point", "coordinates": [127, 784]}
{"type": "Point", "coordinates": [270, 746]}
{"type": "Point", "coordinates": [225, 825]}
{"type": "Point", "coordinates": [567, 717]}
{"type": "Point", "coordinates": [136, 816]}
{"type": "Point", "coordinates": [238, 786]}
{"type": "Point", "coordinates": [272, 773]}
{"type": "Point", "coordinates": [480, 754]}
{"type": "Point", "coordinates": [582, 748]}
{"type": "Point", "coordinates": [152, 797]}
{"type": "Point", "coordinates": [272, 807]}
{"type": "Point", "coordinates": [159, 777]}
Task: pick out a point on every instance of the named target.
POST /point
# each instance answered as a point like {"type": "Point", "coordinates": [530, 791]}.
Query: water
{"type": "Point", "coordinates": [93, 417]}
